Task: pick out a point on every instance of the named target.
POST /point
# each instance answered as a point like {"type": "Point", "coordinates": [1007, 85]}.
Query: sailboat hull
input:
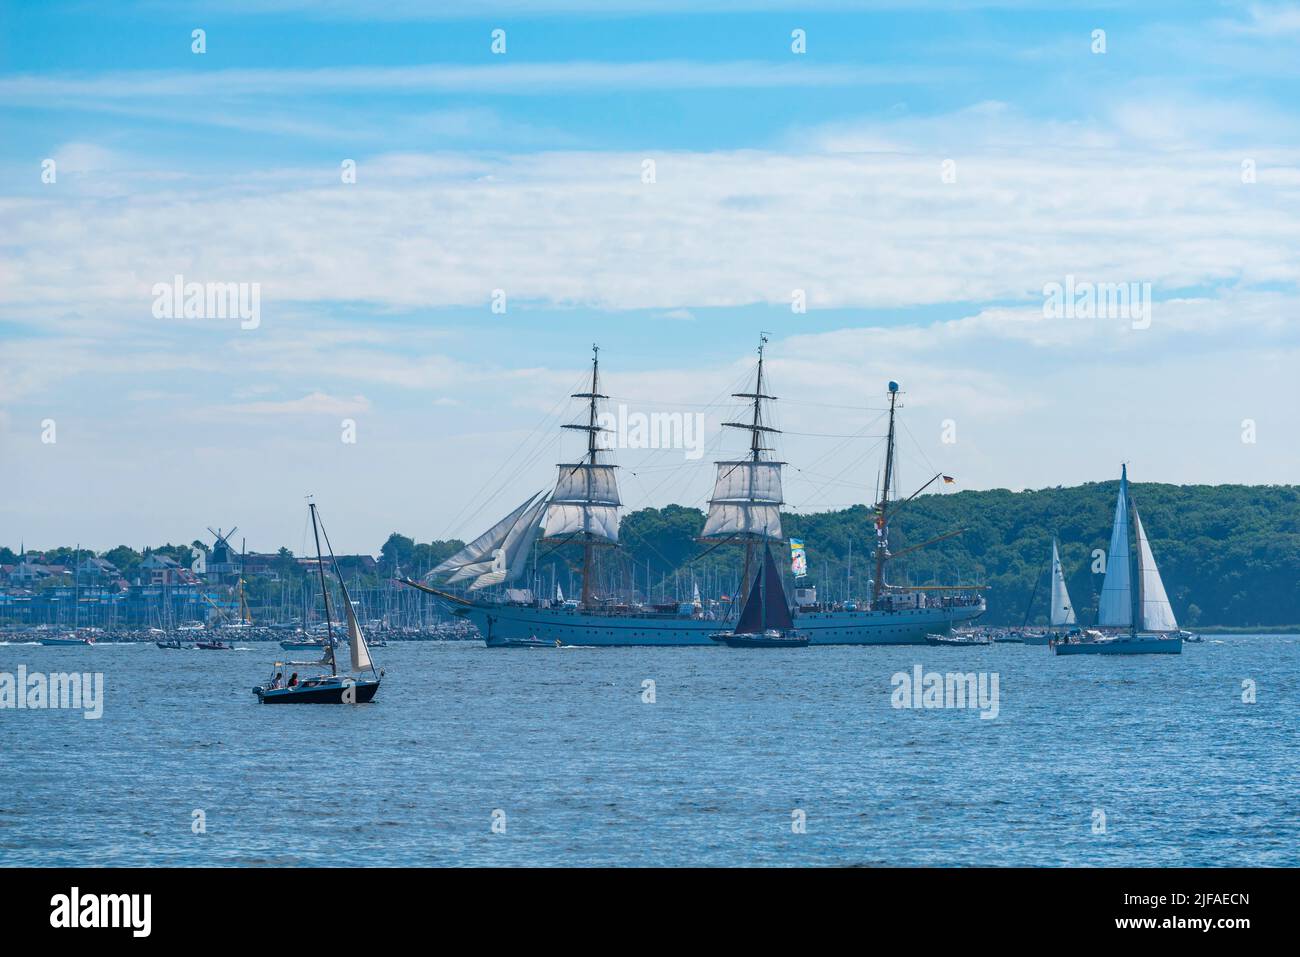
{"type": "Point", "coordinates": [333, 693]}
{"type": "Point", "coordinates": [66, 642]}
{"type": "Point", "coordinates": [503, 624]}
{"type": "Point", "coordinates": [1141, 645]}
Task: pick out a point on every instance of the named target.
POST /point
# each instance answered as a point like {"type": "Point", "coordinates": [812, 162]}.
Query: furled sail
{"type": "Point", "coordinates": [746, 501]}
{"type": "Point", "coordinates": [1115, 607]}
{"type": "Point", "coordinates": [585, 501]}
{"type": "Point", "coordinates": [766, 606]}
{"type": "Point", "coordinates": [476, 558]}
{"type": "Point", "coordinates": [510, 560]}
{"type": "Point", "coordinates": [1157, 613]}
{"type": "Point", "coordinates": [1062, 609]}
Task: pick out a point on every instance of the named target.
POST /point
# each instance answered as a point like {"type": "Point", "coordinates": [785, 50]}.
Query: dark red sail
{"type": "Point", "coordinates": [766, 606]}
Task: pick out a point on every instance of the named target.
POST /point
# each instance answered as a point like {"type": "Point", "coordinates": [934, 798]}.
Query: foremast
{"type": "Point", "coordinates": [746, 503]}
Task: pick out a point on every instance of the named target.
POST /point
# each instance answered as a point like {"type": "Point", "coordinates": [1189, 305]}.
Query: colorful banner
{"type": "Point", "coordinates": [798, 560]}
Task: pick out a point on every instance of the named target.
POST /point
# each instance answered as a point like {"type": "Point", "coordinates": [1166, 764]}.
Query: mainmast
{"type": "Point", "coordinates": [746, 501]}
{"type": "Point", "coordinates": [320, 567]}
{"type": "Point", "coordinates": [584, 506]}
{"type": "Point", "coordinates": [882, 515]}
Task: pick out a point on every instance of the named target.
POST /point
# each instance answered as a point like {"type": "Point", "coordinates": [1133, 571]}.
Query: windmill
{"type": "Point", "coordinates": [221, 562]}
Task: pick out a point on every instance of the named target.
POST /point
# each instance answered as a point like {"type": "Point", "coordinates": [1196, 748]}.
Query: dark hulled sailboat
{"type": "Point", "coordinates": [765, 621]}
{"type": "Point", "coordinates": [332, 688]}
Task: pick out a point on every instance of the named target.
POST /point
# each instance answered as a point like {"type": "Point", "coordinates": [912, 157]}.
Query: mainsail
{"type": "Point", "coordinates": [476, 558]}
{"type": "Point", "coordinates": [1062, 609]}
{"type": "Point", "coordinates": [766, 607]}
{"type": "Point", "coordinates": [1157, 613]}
{"type": "Point", "coordinates": [746, 501]}
{"type": "Point", "coordinates": [1115, 607]}
{"type": "Point", "coordinates": [585, 501]}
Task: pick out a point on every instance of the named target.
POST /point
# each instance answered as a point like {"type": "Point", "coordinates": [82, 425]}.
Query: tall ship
{"type": "Point", "coordinates": [581, 513]}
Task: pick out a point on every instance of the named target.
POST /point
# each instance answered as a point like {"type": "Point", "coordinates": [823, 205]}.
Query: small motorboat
{"type": "Point", "coordinates": [962, 641]}
{"type": "Point", "coordinates": [532, 641]}
{"type": "Point", "coordinates": [765, 621]}
{"type": "Point", "coordinates": [304, 644]}
{"type": "Point", "coordinates": [174, 644]}
{"type": "Point", "coordinates": [216, 644]}
{"type": "Point", "coordinates": [67, 641]}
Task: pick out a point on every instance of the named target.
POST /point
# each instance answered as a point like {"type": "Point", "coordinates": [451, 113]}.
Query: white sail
{"type": "Point", "coordinates": [746, 502]}
{"type": "Point", "coordinates": [601, 521]}
{"type": "Point", "coordinates": [1157, 613]}
{"type": "Point", "coordinates": [478, 553]}
{"type": "Point", "coordinates": [559, 593]}
{"type": "Point", "coordinates": [510, 560]}
{"type": "Point", "coordinates": [1062, 609]}
{"type": "Point", "coordinates": [585, 501]}
{"type": "Point", "coordinates": [1115, 607]}
{"type": "Point", "coordinates": [356, 640]}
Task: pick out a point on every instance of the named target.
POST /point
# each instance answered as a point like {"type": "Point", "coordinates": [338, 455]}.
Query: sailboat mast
{"type": "Point", "coordinates": [320, 567]}
{"type": "Point", "coordinates": [755, 447]}
{"type": "Point", "coordinates": [882, 518]}
{"type": "Point", "coordinates": [588, 549]}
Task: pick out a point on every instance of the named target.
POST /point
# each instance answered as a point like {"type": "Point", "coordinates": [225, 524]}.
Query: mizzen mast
{"type": "Point", "coordinates": [882, 507]}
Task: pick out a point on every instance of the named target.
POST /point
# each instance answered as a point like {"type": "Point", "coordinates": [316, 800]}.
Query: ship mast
{"type": "Point", "coordinates": [882, 517]}
{"type": "Point", "coordinates": [320, 567]}
{"type": "Point", "coordinates": [747, 495]}
{"type": "Point", "coordinates": [588, 541]}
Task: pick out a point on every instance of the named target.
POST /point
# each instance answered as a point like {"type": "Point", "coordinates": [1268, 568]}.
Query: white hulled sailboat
{"type": "Point", "coordinates": [1126, 627]}
{"type": "Point", "coordinates": [1061, 613]}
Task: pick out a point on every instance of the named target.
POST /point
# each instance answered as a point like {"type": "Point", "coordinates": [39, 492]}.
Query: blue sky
{"type": "Point", "coordinates": [523, 171]}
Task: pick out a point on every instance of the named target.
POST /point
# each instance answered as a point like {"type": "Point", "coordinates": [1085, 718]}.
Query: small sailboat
{"type": "Point", "coordinates": [964, 640]}
{"type": "Point", "coordinates": [765, 621]}
{"type": "Point", "coordinates": [1126, 627]}
{"type": "Point", "coordinates": [331, 688]}
{"type": "Point", "coordinates": [1061, 614]}
{"type": "Point", "coordinates": [68, 641]}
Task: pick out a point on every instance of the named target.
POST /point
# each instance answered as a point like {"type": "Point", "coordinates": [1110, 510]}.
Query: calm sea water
{"type": "Point", "coordinates": [712, 772]}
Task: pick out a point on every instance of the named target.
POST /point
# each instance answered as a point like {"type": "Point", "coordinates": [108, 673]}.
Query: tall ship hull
{"type": "Point", "coordinates": [500, 624]}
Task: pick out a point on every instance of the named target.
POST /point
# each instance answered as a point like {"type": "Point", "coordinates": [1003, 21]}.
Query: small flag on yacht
{"type": "Point", "coordinates": [949, 479]}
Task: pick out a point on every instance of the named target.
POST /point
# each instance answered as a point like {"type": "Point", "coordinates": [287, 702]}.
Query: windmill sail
{"type": "Point", "coordinates": [476, 558]}
{"type": "Point", "coordinates": [1062, 609]}
{"type": "Point", "coordinates": [1157, 613]}
{"type": "Point", "coordinates": [766, 607]}
{"type": "Point", "coordinates": [746, 502]}
{"type": "Point", "coordinates": [1115, 607]}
